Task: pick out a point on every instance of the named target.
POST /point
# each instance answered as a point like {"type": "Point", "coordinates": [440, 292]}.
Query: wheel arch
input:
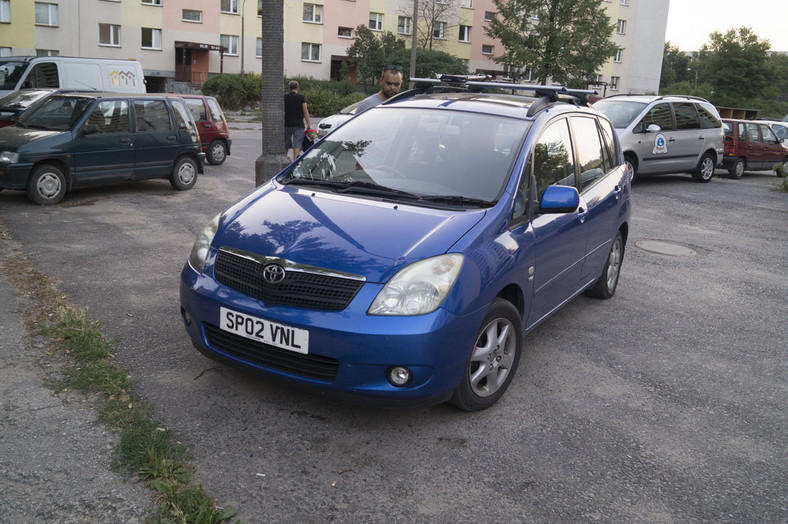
{"type": "Point", "coordinates": [193, 156]}
{"type": "Point", "coordinates": [62, 166]}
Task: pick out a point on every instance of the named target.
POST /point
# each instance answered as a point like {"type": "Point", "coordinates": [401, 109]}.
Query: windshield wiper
{"type": "Point", "coordinates": [458, 200]}
{"type": "Point", "coordinates": [357, 187]}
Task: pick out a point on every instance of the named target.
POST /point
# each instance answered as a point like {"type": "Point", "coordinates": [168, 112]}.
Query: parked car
{"type": "Point", "coordinates": [753, 145]}
{"type": "Point", "coordinates": [666, 134]}
{"type": "Point", "coordinates": [332, 122]}
{"type": "Point", "coordinates": [402, 259]}
{"type": "Point", "coordinates": [79, 139]}
{"type": "Point", "coordinates": [14, 105]}
{"type": "Point", "coordinates": [780, 129]}
{"type": "Point", "coordinates": [214, 134]}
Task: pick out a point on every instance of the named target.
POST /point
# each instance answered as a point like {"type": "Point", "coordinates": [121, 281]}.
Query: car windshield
{"type": "Point", "coordinates": [432, 156]}
{"type": "Point", "coordinates": [22, 99]}
{"type": "Point", "coordinates": [10, 73]}
{"type": "Point", "coordinates": [620, 112]}
{"type": "Point", "coordinates": [59, 113]}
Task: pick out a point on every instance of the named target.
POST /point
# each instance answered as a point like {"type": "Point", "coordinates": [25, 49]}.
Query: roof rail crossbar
{"type": "Point", "coordinates": [478, 83]}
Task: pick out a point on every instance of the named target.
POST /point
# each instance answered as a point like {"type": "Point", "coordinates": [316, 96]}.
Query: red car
{"type": "Point", "coordinates": [214, 134]}
{"type": "Point", "coordinates": [751, 145]}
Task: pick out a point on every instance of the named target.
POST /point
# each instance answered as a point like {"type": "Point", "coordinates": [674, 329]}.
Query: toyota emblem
{"type": "Point", "coordinates": [273, 273]}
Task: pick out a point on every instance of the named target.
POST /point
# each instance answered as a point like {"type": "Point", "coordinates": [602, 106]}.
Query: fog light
{"type": "Point", "coordinates": [187, 318]}
{"type": "Point", "coordinates": [399, 376]}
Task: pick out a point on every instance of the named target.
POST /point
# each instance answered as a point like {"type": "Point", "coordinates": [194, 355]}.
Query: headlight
{"type": "Point", "coordinates": [202, 244]}
{"type": "Point", "coordinates": [9, 157]}
{"type": "Point", "coordinates": [419, 288]}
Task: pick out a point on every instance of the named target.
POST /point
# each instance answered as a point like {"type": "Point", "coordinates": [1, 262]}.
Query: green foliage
{"type": "Point", "coordinates": [675, 66]}
{"type": "Point", "coordinates": [234, 91]}
{"type": "Point", "coordinates": [429, 62]}
{"type": "Point", "coordinates": [326, 97]}
{"type": "Point", "coordinates": [557, 40]}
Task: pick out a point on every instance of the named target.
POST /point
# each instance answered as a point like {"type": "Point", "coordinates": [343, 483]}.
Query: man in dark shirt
{"type": "Point", "coordinates": [295, 114]}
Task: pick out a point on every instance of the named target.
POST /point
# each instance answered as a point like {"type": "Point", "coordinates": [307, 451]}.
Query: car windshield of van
{"type": "Point", "coordinates": [59, 113]}
{"type": "Point", "coordinates": [434, 157]}
{"type": "Point", "coordinates": [10, 73]}
{"type": "Point", "coordinates": [620, 112]}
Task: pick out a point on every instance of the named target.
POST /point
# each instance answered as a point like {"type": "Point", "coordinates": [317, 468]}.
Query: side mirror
{"type": "Point", "coordinates": [559, 199]}
{"type": "Point", "coordinates": [653, 128]}
{"type": "Point", "coordinates": [89, 129]}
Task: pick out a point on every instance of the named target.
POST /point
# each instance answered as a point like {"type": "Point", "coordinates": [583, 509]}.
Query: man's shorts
{"type": "Point", "coordinates": [294, 137]}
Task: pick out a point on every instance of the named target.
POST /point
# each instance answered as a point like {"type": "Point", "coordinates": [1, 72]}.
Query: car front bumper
{"type": "Point", "coordinates": [350, 352]}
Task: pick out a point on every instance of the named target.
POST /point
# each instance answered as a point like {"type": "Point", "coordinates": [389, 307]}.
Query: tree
{"type": "Point", "coordinates": [273, 160]}
{"type": "Point", "coordinates": [556, 39]}
{"type": "Point", "coordinates": [736, 65]}
{"type": "Point", "coordinates": [429, 62]}
{"type": "Point", "coordinates": [675, 66]}
{"type": "Point", "coordinates": [435, 18]}
{"type": "Point", "coordinates": [370, 53]}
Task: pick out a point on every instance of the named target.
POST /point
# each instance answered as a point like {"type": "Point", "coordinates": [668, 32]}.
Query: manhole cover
{"type": "Point", "coordinates": [664, 248]}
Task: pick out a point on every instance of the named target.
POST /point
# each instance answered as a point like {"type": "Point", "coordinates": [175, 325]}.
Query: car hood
{"type": "Point", "coordinates": [14, 136]}
{"type": "Point", "coordinates": [361, 236]}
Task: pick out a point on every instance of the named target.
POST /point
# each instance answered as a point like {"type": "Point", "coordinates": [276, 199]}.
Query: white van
{"type": "Point", "coordinates": [68, 73]}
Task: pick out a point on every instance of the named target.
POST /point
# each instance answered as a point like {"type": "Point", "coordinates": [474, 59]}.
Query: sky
{"type": "Point", "coordinates": [690, 22]}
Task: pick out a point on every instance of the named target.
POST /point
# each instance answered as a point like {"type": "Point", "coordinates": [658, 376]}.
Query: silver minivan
{"type": "Point", "coordinates": [666, 134]}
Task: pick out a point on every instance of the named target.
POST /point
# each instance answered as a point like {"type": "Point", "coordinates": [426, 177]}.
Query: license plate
{"type": "Point", "coordinates": [265, 331]}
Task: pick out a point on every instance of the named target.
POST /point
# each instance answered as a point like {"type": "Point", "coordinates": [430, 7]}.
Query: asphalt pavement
{"type": "Point", "coordinates": [667, 403]}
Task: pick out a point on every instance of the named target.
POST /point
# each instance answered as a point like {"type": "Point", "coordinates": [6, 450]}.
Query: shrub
{"type": "Point", "coordinates": [234, 91]}
{"type": "Point", "coordinates": [326, 97]}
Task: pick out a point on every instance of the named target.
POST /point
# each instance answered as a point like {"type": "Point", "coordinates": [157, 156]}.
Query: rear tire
{"type": "Point", "coordinates": [184, 174]}
{"type": "Point", "coordinates": [217, 153]}
{"type": "Point", "coordinates": [46, 185]}
{"type": "Point", "coordinates": [705, 170]}
{"type": "Point", "coordinates": [738, 169]}
{"type": "Point", "coordinates": [605, 287]}
{"type": "Point", "coordinates": [493, 359]}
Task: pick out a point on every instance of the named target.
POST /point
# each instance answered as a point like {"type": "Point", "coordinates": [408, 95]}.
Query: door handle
{"type": "Point", "coordinates": [125, 140]}
{"type": "Point", "coordinates": [207, 126]}
{"type": "Point", "coordinates": [582, 214]}
{"type": "Point", "coordinates": [671, 139]}
{"type": "Point", "coordinates": [171, 138]}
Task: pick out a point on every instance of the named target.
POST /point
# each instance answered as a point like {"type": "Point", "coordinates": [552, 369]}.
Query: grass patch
{"type": "Point", "coordinates": [145, 449]}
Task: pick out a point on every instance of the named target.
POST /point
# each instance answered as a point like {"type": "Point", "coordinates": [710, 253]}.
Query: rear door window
{"type": "Point", "coordinates": [660, 115]}
{"type": "Point", "coordinates": [686, 116]}
{"type": "Point", "coordinates": [152, 115]}
{"type": "Point", "coordinates": [752, 133]}
{"type": "Point", "coordinates": [110, 116]}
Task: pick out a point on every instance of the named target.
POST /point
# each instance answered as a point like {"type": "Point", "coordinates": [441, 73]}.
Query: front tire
{"type": "Point", "coordinates": [493, 360]}
{"type": "Point", "coordinates": [737, 171]}
{"type": "Point", "coordinates": [605, 287]}
{"type": "Point", "coordinates": [705, 170]}
{"type": "Point", "coordinates": [631, 163]}
{"type": "Point", "coordinates": [217, 153]}
{"type": "Point", "coordinates": [184, 174]}
{"type": "Point", "coordinates": [46, 185]}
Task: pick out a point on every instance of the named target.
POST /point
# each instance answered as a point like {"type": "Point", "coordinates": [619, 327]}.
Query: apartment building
{"type": "Point", "coordinates": [186, 41]}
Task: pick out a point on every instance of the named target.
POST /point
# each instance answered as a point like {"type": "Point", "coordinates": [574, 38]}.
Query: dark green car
{"type": "Point", "coordinates": [81, 139]}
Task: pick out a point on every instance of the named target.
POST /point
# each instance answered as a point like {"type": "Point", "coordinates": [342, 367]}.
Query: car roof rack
{"type": "Point", "coordinates": [662, 97]}
{"type": "Point", "coordinates": [478, 83]}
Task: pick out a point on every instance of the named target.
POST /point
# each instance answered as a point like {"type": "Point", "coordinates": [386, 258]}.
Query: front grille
{"type": "Point", "coordinates": [310, 366]}
{"type": "Point", "coordinates": [300, 288]}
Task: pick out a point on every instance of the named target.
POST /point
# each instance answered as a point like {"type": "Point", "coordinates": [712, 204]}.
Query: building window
{"type": "Point", "coordinates": [230, 43]}
{"type": "Point", "coordinates": [619, 55]}
{"type": "Point", "coordinates": [625, 2]}
{"type": "Point", "coordinates": [5, 11]}
{"type": "Point", "coordinates": [230, 6]}
{"type": "Point", "coordinates": [310, 52]}
{"type": "Point", "coordinates": [468, 4]}
{"type": "Point", "coordinates": [259, 7]}
{"type": "Point", "coordinates": [191, 15]}
{"type": "Point", "coordinates": [439, 30]}
{"type": "Point", "coordinates": [313, 13]}
{"type": "Point", "coordinates": [151, 38]}
{"type": "Point", "coordinates": [614, 80]}
{"type": "Point", "coordinates": [488, 16]}
{"type": "Point", "coordinates": [109, 34]}
{"type": "Point", "coordinates": [5, 51]}
{"type": "Point", "coordinates": [151, 2]}
{"type": "Point", "coordinates": [598, 79]}
{"type": "Point", "coordinates": [46, 14]}
{"type": "Point", "coordinates": [258, 49]}
{"type": "Point", "coordinates": [621, 27]}
{"type": "Point", "coordinates": [47, 52]}
{"type": "Point", "coordinates": [376, 21]}
{"type": "Point", "coordinates": [345, 32]}
{"type": "Point", "coordinates": [403, 25]}
{"type": "Point", "coordinates": [465, 33]}
{"type": "Point", "coordinates": [487, 49]}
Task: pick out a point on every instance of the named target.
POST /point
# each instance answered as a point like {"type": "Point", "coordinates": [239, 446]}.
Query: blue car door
{"type": "Point", "coordinates": [560, 239]}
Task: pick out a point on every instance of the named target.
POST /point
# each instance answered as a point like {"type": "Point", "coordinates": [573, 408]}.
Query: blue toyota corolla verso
{"type": "Point", "coordinates": [402, 258]}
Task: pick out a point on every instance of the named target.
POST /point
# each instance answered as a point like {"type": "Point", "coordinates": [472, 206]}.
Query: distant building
{"type": "Point", "coordinates": [182, 42]}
